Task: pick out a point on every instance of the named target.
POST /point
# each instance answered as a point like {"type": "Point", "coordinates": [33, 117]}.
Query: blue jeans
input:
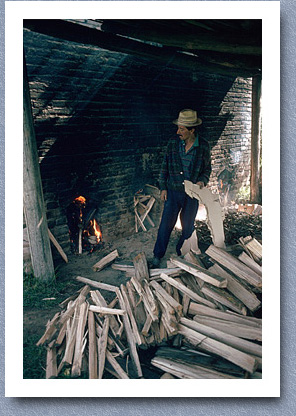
{"type": "Point", "coordinates": [177, 202]}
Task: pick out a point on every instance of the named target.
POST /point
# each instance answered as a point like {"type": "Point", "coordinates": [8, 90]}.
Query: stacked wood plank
{"type": "Point", "coordinates": [203, 312]}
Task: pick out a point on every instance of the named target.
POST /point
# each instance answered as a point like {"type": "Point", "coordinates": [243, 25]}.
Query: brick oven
{"type": "Point", "coordinates": [102, 120]}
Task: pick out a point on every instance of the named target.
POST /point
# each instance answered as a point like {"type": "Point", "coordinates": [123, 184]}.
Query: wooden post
{"type": "Point", "coordinates": [255, 140]}
{"type": "Point", "coordinates": [33, 195]}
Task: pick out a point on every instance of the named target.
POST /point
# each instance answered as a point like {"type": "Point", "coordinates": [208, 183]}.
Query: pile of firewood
{"type": "Point", "coordinates": [200, 320]}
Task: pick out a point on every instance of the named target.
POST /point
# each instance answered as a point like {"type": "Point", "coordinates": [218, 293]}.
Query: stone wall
{"type": "Point", "coordinates": [102, 121]}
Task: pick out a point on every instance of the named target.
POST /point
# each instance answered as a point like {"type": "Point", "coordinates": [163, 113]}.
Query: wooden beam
{"type": "Point", "coordinates": [170, 56]}
{"type": "Point", "coordinates": [34, 207]}
{"type": "Point", "coordinates": [255, 140]}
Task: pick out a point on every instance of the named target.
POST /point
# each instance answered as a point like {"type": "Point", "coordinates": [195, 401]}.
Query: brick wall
{"type": "Point", "coordinates": [103, 119]}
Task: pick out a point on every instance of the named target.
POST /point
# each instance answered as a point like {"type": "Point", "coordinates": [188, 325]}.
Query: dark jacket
{"type": "Point", "coordinates": [171, 172]}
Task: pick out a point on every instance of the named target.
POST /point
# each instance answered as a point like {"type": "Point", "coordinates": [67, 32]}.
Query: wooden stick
{"type": "Point", "coordinates": [250, 262]}
{"type": "Point", "coordinates": [140, 290]}
{"type": "Point", "coordinates": [169, 299]}
{"type": "Point", "coordinates": [196, 309]}
{"type": "Point", "coordinates": [57, 246]}
{"type": "Point", "coordinates": [147, 325]}
{"type": "Point", "coordinates": [130, 314]}
{"type": "Point", "coordinates": [234, 265]}
{"type": "Point", "coordinates": [77, 361]}
{"type": "Point", "coordinates": [241, 292]}
{"type": "Point", "coordinates": [119, 371]}
{"type": "Point", "coordinates": [51, 329]}
{"type": "Point", "coordinates": [231, 354]}
{"type": "Point", "coordinates": [106, 311]}
{"type": "Point", "coordinates": [51, 363]}
{"type": "Point", "coordinates": [235, 342]}
{"type": "Point", "coordinates": [184, 371]}
{"type": "Point", "coordinates": [187, 291]}
{"type": "Point", "coordinates": [80, 241]}
{"type": "Point", "coordinates": [141, 267]}
{"type": "Point", "coordinates": [225, 298]}
{"type": "Point", "coordinates": [99, 300]}
{"type": "Point", "coordinates": [130, 338]}
{"type": "Point", "coordinates": [92, 347]}
{"type": "Point", "coordinates": [102, 346]}
{"type": "Point", "coordinates": [199, 272]}
{"type": "Point", "coordinates": [71, 336]}
{"type": "Point", "coordinates": [232, 328]}
{"type": "Point", "coordinates": [105, 261]}
{"type": "Point", "coordinates": [98, 285]}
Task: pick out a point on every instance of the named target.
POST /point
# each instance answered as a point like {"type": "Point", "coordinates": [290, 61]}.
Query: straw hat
{"type": "Point", "coordinates": [188, 118]}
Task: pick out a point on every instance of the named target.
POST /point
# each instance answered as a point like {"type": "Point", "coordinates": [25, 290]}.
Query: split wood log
{"type": "Point", "coordinates": [98, 285]}
{"type": "Point", "coordinates": [210, 345]}
{"type": "Point", "coordinates": [234, 265]}
{"type": "Point", "coordinates": [105, 261]}
{"type": "Point", "coordinates": [146, 327]}
{"type": "Point", "coordinates": [162, 332]}
{"type": "Point", "coordinates": [78, 301]}
{"type": "Point", "coordinates": [250, 262]}
{"type": "Point", "coordinates": [61, 335]}
{"type": "Point", "coordinates": [57, 246]}
{"type": "Point", "coordinates": [232, 328]}
{"type": "Point", "coordinates": [214, 211]}
{"type": "Point", "coordinates": [130, 338]}
{"type": "Point", "coordinates": [186, 371]}
{"type": "Point", "coordinates": [253, 247]}
{"type": "Point", "coordinates": [51, 329]}
{"type": "Point", "coordinates": [151, 299]}
{"type": "Point", "coordinates": [194, 258]}
{"type": "Point", "coordinates": [106, 311]}
{"type": "Point", "coordinates": [196, 309]}
{"type": "Point", "coordinates": [187, 291]}
{"type": "Point", "coordinates": [102, 346]}
{"type": "Point", "coordinates": [235, 342]}
{"type": "Point", "coordinates": [131, 315]}
{"type": "Point", "coordinates": [240, 291]}
{"type": "Point", "coordinates": [224, 298]}
{"type": "Point", "coordinates": [165, 305]}
{"type": "Point", "coordinates": [169, 299]}
{"type": "Point", "coordinates": [51, 363]}
{"type": "Point", "coordinates": [185, 304]}
{"type": "Point", "coordinates": [141, 267]}
{"type": "Point", "coordinates": [77, 360]}
{"type": "Point", "coordinates": [119, 371]}
{"type": "Point", "coordinates": [99, 300]}
{"type": "Point", "coordinates": [92, 347]}
{"type": "Point", "coordinates": [137, 304]}
{"type": "Point", "coordinates": [153, 312]}
{"type": "Point", "coordinates": [199, 272]}
{"type": "Point", "coordinates": [71, 336]}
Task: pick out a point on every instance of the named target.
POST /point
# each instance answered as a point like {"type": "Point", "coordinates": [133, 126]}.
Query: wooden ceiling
{"type": "Point", "coordinates": [229, 47]}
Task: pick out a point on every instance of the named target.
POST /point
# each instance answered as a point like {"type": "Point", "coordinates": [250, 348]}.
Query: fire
{"type": "Point", "coordinates": [80, 199]}
{"type": "Point", "coordinates": [97, 230]}
{"type": "Point", "coordinates": [94, 230]}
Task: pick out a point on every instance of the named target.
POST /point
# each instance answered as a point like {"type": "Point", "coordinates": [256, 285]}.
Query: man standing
{"type": "Point", "coordinates": [187, 157]}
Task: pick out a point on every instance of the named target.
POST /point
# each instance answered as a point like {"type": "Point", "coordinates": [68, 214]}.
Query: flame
{"type": "Point", "coordinates": [94, 229]}
{"type": "Point", "coordinates": [80, 199]}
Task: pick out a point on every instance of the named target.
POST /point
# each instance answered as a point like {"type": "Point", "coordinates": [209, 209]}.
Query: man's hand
{"type": "Point", "coordinates": [201, 184]}
{"type": "Point", "coordinates": [164, 195]}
